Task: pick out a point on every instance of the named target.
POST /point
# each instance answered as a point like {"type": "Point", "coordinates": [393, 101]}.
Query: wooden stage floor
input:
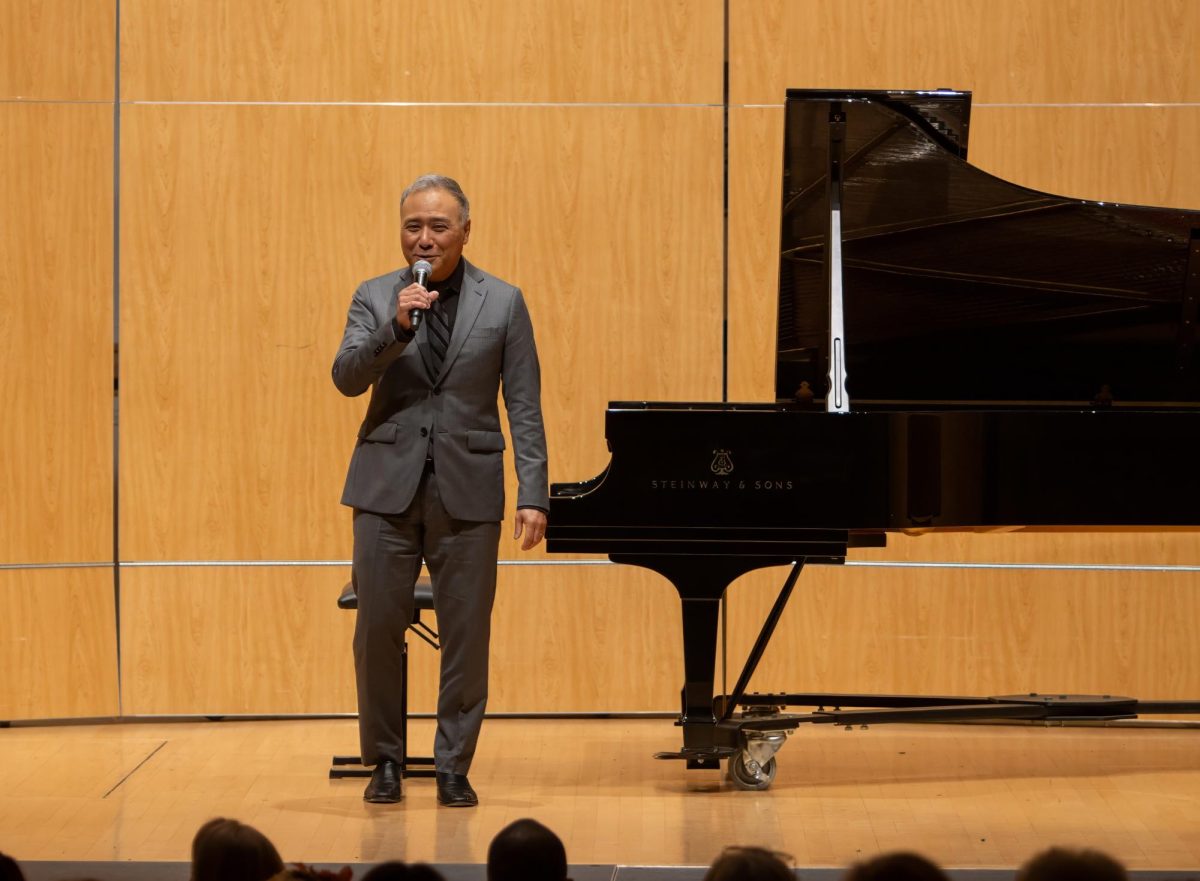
{"type": "Point", "coordinates": [968, 796]}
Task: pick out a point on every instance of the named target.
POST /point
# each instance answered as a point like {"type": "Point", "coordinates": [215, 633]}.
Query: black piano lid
{"type": "Point", "coordinates": [965, 289]}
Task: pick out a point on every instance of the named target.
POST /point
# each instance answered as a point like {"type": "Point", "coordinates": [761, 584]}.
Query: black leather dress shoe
{"type": "Point", "coordinates": [384, 788]}
{"type": "Point", "coordinates": [454, 791]}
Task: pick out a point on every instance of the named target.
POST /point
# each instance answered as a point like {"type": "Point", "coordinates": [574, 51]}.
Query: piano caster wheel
{"type": "Point", "coordinates": [742, 777]}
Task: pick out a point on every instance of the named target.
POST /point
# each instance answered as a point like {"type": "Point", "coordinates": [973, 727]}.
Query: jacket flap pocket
{"type": "Point", "coordinates": [485, 441]}
{"type": "Point", "coordinates": [385, 433]}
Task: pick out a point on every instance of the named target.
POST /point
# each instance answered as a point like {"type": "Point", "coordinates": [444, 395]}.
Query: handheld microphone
{"type": "Point", "coordinates": [421, 270]}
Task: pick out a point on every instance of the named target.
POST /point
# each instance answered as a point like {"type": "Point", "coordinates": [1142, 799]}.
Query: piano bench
{"type": "Point", "coordinates": [410, 766]}
{"type": "Point", "coordinates": [348, 599]}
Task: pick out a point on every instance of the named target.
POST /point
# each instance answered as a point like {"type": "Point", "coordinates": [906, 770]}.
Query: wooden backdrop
{"type": "Point", "coordinates": [262, 152]}
{"type": "Point", "coordinates": [58, 652]}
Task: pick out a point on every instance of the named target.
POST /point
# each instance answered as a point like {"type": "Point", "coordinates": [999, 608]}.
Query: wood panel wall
{"type": "Point", "coordinates": [462, 51]}
{"type": "Point", "coordinates": [971, 631]}
{"type": "Point", "coordinates": [269, 639]}
{"type": "Point", "coordinates": [263, 150]}
{"type": "Point", "coordinates": [57, 624]}
{"type": "Point", "coordinates": [247, 230]}
{"type": "Point", "coordinates": [58, 643]}
{"type": "Point", "coordinates": [590, 141]}
{"type": "Point", "coordinates": [57, 50]}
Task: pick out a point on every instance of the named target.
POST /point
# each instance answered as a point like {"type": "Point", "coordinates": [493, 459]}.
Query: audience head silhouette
{"type": "Point", "coordinates": [526, 851]}
{"type": "Point", "coordinates": [226, 850]}
{"type": "Point", "coordinates": [9, 870]}
{"type": "Point", "coordinates": [1062, 864]}
{"type": "Point", "coordinates": [749, 864]}
{"type": "Point", "coordinates": [898, 866]}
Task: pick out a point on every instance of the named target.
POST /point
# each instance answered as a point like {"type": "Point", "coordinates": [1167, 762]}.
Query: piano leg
{"type": "Point", "coordinates": [701, 581]}
{"type": "Point", "coordinates": [700, 620]}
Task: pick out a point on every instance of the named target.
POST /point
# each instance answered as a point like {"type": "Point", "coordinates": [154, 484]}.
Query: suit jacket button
{"type": "Point", "coordinates": [424, 432]}
{"type": "Point", "coordinates": [437, 390]}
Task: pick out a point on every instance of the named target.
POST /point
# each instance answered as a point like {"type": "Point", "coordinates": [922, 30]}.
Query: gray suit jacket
{"type": "Point", "coordinates": [456, 411]}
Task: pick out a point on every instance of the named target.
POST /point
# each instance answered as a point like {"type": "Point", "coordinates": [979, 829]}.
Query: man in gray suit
{"type": "Point", "coordinates": [426, 478]}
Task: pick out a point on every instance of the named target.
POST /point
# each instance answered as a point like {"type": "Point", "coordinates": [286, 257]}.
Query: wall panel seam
{"type": "Point", "coordinates": [116, 362]}
{"type": "Point", "coordinates": [1050, 567]}
{"type": "Point", "coordinates": [873, 564]}
{"type": "Point", "coordinates": [100, 564]}
{"type": "Point", "coordinates": [53, 101]}
{"type": "Point", "coordinates": [590, 104]}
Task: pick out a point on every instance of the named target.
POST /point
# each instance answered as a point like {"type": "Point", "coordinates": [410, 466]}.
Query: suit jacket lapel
{"type": "Point", "coordinates": [470, 302]}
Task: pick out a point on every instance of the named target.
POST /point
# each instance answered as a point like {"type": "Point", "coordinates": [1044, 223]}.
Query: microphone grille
{"type": "Point", "coordinates": [422, 267]}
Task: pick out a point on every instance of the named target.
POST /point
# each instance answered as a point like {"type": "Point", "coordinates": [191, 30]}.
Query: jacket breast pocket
{"type": "Point", "coordinates": [484, 340]}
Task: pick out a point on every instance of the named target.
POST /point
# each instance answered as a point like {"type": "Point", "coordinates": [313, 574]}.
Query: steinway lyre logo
{"type": "Point", "coordinates": [722, 463]}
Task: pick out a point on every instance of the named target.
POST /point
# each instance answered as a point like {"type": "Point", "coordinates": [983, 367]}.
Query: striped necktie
{"type": "Point", "coordinates": [439, 334]}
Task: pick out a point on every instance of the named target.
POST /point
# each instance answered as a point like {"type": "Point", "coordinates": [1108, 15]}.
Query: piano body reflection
{"type": "Point", "coordinates": [954, 352]}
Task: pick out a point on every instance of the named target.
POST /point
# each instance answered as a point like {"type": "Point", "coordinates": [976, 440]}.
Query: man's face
{"type": "Point", "coordinates": [431, 229]}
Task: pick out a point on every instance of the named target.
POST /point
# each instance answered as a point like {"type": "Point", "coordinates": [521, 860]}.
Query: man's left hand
{"type": "Point", "coordinates": [532, 523]}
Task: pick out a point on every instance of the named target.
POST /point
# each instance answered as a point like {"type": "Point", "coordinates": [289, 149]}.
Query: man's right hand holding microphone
{"type": "Point", "coordinates": [414, 299]}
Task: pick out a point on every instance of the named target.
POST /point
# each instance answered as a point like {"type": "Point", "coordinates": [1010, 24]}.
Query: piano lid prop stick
{"type": "Point", "coordinates": [836, 401]}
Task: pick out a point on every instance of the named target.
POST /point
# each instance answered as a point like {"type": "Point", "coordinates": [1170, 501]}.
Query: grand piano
{"type": "Point", "coordinates": [954, 352]}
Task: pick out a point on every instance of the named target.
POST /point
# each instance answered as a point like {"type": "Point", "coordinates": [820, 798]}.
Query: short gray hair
{"type": "Point", "coordinates": [441, 182]}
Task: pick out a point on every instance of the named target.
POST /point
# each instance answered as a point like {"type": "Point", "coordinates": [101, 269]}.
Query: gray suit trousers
{"type": "Point", "coordinates": [461, 557]}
